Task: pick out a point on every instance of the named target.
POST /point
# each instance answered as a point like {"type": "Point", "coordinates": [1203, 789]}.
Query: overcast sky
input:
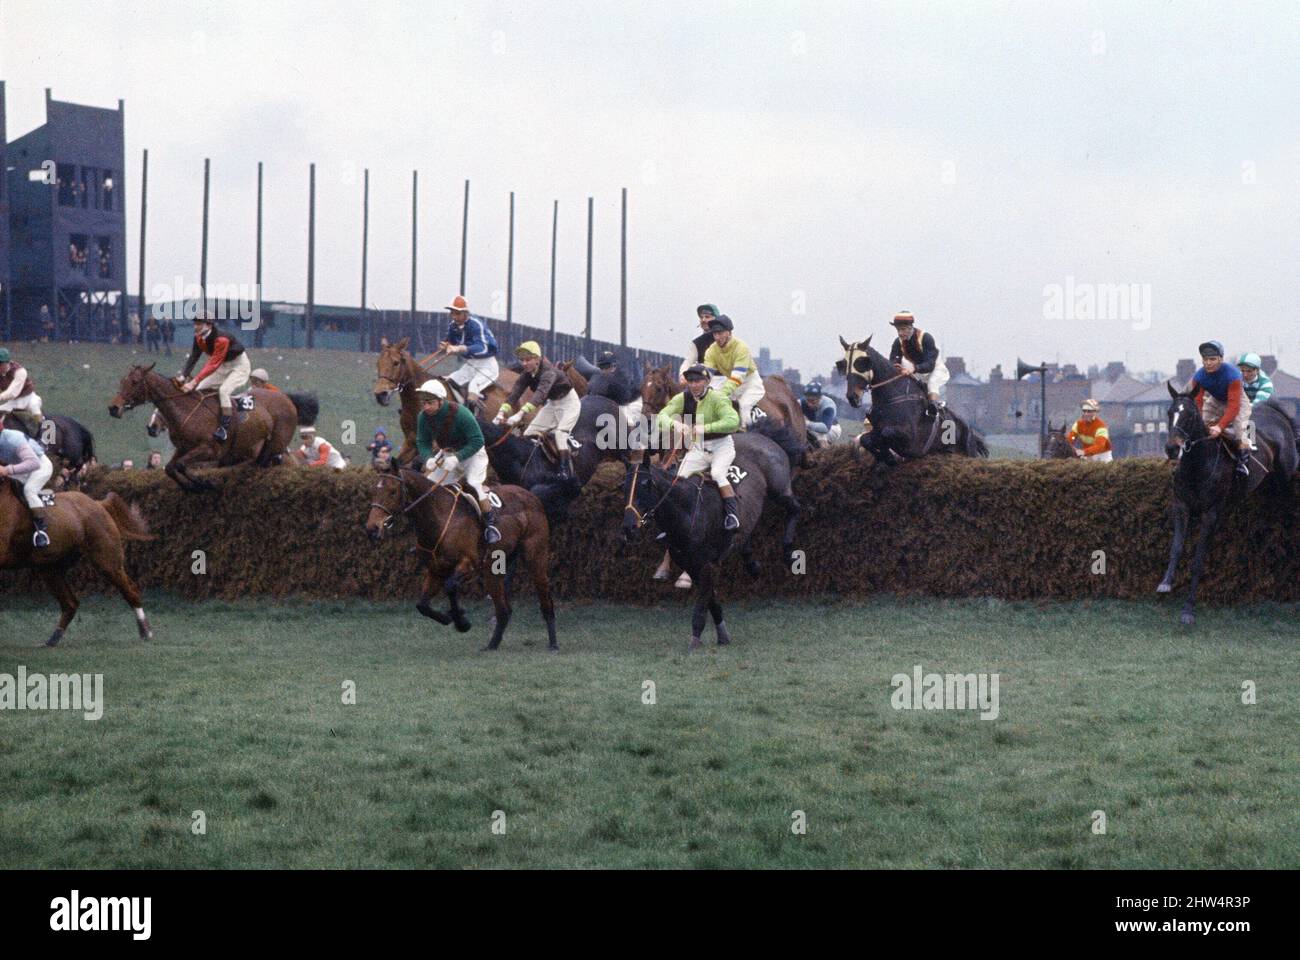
{"type": "Point", "coordinates": [810, 167]}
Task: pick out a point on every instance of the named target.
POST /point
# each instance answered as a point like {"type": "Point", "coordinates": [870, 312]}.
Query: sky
{"type": "Point", "coordinates": [811, 167]}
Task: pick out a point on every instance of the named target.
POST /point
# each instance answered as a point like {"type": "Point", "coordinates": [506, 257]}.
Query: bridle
{"type": "Point", "coordinates": [179, 394]}
{"type": "Point", "coordinates": [390, 517]}
{"type": "Point", "coordinates": [643, 518]}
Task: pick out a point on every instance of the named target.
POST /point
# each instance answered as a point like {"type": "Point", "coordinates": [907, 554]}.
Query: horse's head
{"type": "Point", "coordinates": [132, 391]}
{"type": "Point", "coordinates": [156, 424]}
{"type": "Point", "coordinates": [390, 370]}
{"type": "Point", "coordinates": [657, 388]}
{"type": "Point", "coordinates": [638, 492]}
{"type": "Point", "coordinates": [387, 501]}
{"type": "Point", "coordinates": [858, 367]}
{"type": "Point", "coordinates": [1185, 423]}
{"type": "Point", "coordinates": [1057, 447]}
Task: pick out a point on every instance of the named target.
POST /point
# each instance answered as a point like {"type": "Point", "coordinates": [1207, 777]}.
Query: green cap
{"type": "Point", "coordinates": [4, 354]}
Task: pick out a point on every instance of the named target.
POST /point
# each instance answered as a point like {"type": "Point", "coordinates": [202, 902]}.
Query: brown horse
{"type": "Point", "coordinates": [399, 372]}
{"type": "Point", "coordinates": [261, 435]}
{"type": "Point", "coordinates": [779, 402]}
{"type": "Point", "coordinates": [1057, 446]}
{"type": "Point", "coordinates": [579, 382]}
{"type": "Point", "coordinates": [450, 538]}
{"type": "Point", "coordinates": [78, 526]}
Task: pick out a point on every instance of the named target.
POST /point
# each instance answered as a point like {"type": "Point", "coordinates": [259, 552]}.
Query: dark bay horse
{"type": "Point", "coordinates": [1057, 445]}
{"type": "Point", "coordinates": [689, 511]}
{"type": "Point", "coordinates": [897, 427]}
{"type": "Point", "coordinates": [1206, 479]}
{"type": "Point", "coordinates": [68, 443]}
{"type": "Point", "coordinates": [261, 436]}
{"type": "Point", "coordinates": [450, 540]}
{"type": "Point", "coordinates": [79, 527]}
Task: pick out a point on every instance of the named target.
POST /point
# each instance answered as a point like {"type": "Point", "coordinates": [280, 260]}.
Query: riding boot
{"type": "Point", "coordinates": [1243, 463]}
{"type": "Point", "coordinates": [490, 532]}
{"type": "Point", "coordinates": [566, 465]}
{"type": "Point", "coordinates": [220, 434]}
{"type": "Point", "coordinates": [41, 538]}
{"type": "Point", "coordinates": [730, 522]}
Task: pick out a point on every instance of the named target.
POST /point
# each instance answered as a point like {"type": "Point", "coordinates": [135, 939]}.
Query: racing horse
{"type": "Point", "coordinates": [79, 526]}
{"type": "Point", "coordinates": [779, 404]}
{"type": "Point", "coordinates": [692, 520]}
{"type": "Point", "coordinates": [897, 427]}
{"type": "Point", "coordinates": [68, 444]}
{"type": "Point", "coordinates": [397, 371]}
{"type": "Point", "coordinates": [1057, 446]}
{"type": "Point", "coordinates": [450, 538]}
{"type": "Point", "coordinates": [1206, 479]}
{"type": "Point", "coordinates": [261, 435]}
{"type": "Point", "coordinates": [526, 463]}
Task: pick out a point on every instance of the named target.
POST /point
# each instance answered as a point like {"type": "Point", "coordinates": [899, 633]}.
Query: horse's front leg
{"type": "Point", "coordinates": [432, 586]}
{"type": "Point", "coordinates": [452, 585]}
{"type": "Point", "coordinates": [1208, 522]}
{"type": "Point", "coordinates": [703, 599]}
{"type": "Point", "coordinates": [1181, 515]}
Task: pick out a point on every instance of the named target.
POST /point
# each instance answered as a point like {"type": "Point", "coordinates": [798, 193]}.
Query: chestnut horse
{"type": "Point", "coordinates": [399, 372]}
{"type": "Point", "coordinates": [450, 538]}
{"type": "Point", "coordinates": [79, 527]}
{"type": "Point", "coordinates": [261, 435]}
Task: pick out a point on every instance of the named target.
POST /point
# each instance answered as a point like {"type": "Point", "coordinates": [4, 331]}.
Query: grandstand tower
{"type": "Point", "coordinates": [67, 222]}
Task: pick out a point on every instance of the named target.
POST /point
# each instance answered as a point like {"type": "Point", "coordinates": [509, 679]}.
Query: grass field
{"type": "Point", "coordinates": [236, 710]}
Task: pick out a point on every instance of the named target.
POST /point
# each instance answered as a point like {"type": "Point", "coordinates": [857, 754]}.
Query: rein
{"type": "Point", "coordinates": [408, 507]}
{"type": "Point", "coordinates": [643, 518]}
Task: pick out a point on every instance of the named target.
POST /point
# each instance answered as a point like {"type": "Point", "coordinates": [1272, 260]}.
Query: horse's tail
{"type": "Point", "coordinates": [975, 443]}
{"type": "Point", "coordinates": [308, 407]}
{"type": "Point", "coordinates": [784, 437]}
{"type": "Point", "coordinates": [87, 447]}
{"type": "Point", "coordinates": [131, 523]}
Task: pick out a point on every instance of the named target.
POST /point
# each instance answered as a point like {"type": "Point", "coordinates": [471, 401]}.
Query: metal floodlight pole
{"type": "Point", "coordinates": [144, 216]}
{"type": "Point", "coordinates": [311, 258]}
{"type": "Point", "coordinates": [510, 268]}
{"type": "Point", "coordinates": [365, 244]}
{"type": "Point", "coordinates": [464, 239]}
{"type": "Point", "coordinates": [555, 224]}
{"type": "Point", "coordinates": [622, 296]}
{"type": "Point", "coordinates": [590, 218]}
{"type": "Point", "coordinates": [257, 291]}
{"type": "Point", "coordinates": [203, 258]}
{"type": "Point", "coordinates": [415, 190]}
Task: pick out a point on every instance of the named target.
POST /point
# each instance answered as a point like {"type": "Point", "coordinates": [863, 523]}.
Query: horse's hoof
{"type": "Point", "coordinates": [1164, 588]}
{"type": "Point", "coordinates": [724, 635]}
{"type": "Point", "coordinates": [489, 648]}
{"type": "Point", "coordinates": [462, 626]}
{"type": "Point", "coordinates": [695, 644]}
{"type": "Point", "coordinates": [1186, 618]}
{"type": "Point", "coordinates": [552, 648]}
{"type": "Point", "coordinates": [55, 637]}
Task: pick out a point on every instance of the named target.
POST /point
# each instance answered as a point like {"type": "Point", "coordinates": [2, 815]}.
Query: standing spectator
{"type": "Point", "coordinates": [168, 334]}
{"type": "Point", "coordinates": [152, 335]}
{"type": "Point", "coordinates": [378, 445]}
{"type": "Point", "coordinates": [133, 324]}
{"type": "Point", "coordinates": [154, 462]}
{"type": "Point", "coordinates": [47, 325]}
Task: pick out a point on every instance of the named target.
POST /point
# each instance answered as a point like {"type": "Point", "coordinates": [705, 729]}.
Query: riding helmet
{"type": "Point", "coordinates": [1210, 348]}
{"type": "Point", "coordinates": [1250, 360]}
{"type": "Point", "coordinates": [606, 359]}
{"type": "Point", "coordinates": [709, 308]}
{"type": "Point", "coordinates": [432, 388]}
{"type": "Point", "coordinates": [697, 371]}
{"type": "Point", "coordinates": [721, 323]}
{"type": "Point", "coordinates": [528, 348]}
{"type": "Point", "coordinates": [812, 390]}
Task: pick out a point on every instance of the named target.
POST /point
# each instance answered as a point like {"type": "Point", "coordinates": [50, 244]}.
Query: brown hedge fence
{"type": "Point", "coordinates": [944, 527]}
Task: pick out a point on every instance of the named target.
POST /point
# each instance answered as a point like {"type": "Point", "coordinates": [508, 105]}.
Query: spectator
{"type": "Point", "coordinates": [133, 324]}
{"type": "Point", "coordinates": [154, 462]}
{"type": "Point", "coordinates": [168, 334]}
{"type": "Point", "coordinates": [47, 325]}
{"type": "Point", "coordinates": [152, 335]}
{"type": "Point", "coordinates": [260, 379]}
{"type": "Point", "coordinates": [380, 443]}
{"type": "Point", "coordinates": [317, 453]}
{"type": "Point", "coordinates": [383, 459]}
{"type": "Point", "coordinates": [128, 464]}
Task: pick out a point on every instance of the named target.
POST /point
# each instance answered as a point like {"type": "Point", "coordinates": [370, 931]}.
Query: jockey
{"type": "Point", "coordinates": [445, 427]}
{"type": "Point", "coordinates": [708, 419]}
{"type": "Point", "coordinates": [553, 393]}
{"type": "Point", "coordinates": [613, 384]}
{"type": "Point", "coordinates": [700, 345]}
{"type": "Point", "coordinates": [470, 338]}
{"type": "Point", "coordinates": [226, 371]}
{"type": "Point", "coordinates": [317, 452]}
{"type": "Point", "coordinates": [259, 380]}
{"type": "Point", "coordinates": [1254, 381]}
{"type": "Point", "coordinates": [18, 393]}
{"type": "Point", "coordinates": [24, 459]}
{"type": "Point", "coordinates": [1092, 432]}
{"type": "Point", "coordinates": [730, 357]}
{"type": "Point", "coordinates": [915, 352]}
{"type": "Point", "coordinates": [822, 414]}
{"type": "Point", "coordinates": [1222, 400]}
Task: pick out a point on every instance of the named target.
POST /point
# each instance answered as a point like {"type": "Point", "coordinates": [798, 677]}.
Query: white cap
{"type": "Point", "coordinates": [260, 374]}
{"type": "Point", "coordinates": [433, 388]}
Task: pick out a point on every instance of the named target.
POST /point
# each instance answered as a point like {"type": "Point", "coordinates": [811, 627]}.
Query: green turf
{"type": "Point", "coordinates": [235, 709]}
{"type": "Point", "coordinates": [79, 379]}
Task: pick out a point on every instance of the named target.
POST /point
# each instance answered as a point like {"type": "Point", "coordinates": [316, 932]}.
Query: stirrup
{"type": "Point", "coordinates": [40, 539]}
{"type": "Point", "coordinates": [220, 435]}
{"type": "Point", "coordinates": [491, 534]}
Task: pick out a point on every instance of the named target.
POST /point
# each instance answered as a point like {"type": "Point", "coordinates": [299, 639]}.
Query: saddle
{"type": "Point", "coordinates": [243, 401]}
{"type": "Point", "coordinates": [546, 443]}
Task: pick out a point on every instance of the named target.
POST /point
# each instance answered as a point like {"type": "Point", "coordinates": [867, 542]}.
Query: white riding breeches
{"type": "Point", "coordinates": [476, 374]}
{"type": "Point", "coordinates": [716, 456]}
{"type": "Point", "coordinates": [747, 396]}
{"type": "Point", "coordinates": [30, 404]}
{"type": "Point", "coordinates": [35, 482]}
{"type": "Point", "coordinates": [228, 378]}
{"type": "Point", "coordinates": [936, 379]}
{"type": "Point", "coordinates": [559, 416]}
{"type": "Point", "coordinates": [471, 473]}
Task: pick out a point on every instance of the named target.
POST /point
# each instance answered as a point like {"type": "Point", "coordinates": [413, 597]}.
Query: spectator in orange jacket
{"type": "Point", "coordinates": [1091, 431]}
